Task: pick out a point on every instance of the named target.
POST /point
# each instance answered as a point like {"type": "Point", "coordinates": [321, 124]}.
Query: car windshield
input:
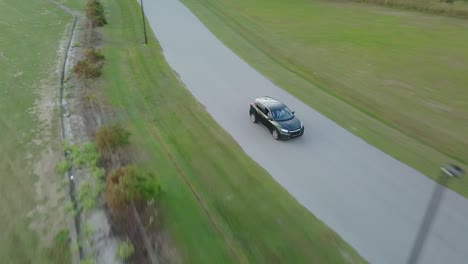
{"type": "Point", "coordinates": [281, 113]}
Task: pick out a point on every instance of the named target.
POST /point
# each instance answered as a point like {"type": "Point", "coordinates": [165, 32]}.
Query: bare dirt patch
{"type": "Point", "coordinates": [48, 217]}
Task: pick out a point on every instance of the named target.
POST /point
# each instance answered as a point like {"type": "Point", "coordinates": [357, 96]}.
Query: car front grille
{"type": "Point", "coordinates": [295, 133]}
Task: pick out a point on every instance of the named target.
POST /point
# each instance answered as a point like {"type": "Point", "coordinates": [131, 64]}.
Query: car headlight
{"type": "Point", "coordinates": [284, 130]}
{"type": "Point", "coordinates": [302, 125]}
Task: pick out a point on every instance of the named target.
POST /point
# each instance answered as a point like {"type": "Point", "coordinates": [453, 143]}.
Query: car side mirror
{"type": "Point", "coordinates": [293, 112]}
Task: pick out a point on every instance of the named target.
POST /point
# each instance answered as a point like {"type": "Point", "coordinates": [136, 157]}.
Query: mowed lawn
{"type": "Point", "coordinates": [241, 214]}
{"type": "Point", "coordinates": [75, 5]}
{"type": "Point", "coordinates": [397, 79]}
{"type": "Point", "coordinates": [30, 33]}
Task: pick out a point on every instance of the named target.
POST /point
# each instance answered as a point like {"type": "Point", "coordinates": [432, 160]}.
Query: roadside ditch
{"type": "Point", "coordinates": [94, 236]}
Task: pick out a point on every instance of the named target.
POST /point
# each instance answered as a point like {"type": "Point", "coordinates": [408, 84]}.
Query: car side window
{"type": "Point", "coordinates": [267, 112]}
{"type": "Point", "coordinates": [260, 107]}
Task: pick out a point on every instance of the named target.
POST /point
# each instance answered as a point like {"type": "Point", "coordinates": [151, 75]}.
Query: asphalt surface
{"type": "Point", "coordinates": [373, 201]}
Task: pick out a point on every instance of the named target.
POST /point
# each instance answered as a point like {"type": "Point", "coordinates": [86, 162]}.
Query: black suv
{"type": "Point", "coordinates": [277, 117]}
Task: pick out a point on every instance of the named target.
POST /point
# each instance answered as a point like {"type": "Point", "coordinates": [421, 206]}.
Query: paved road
{"type": "Point", "coordinates": [373, 201]}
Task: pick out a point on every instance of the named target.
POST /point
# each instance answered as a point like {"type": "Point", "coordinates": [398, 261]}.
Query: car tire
{"type": "Point", "coordinates": [253, 117]}
{"type": "Point", "coordinates": [275, 134]}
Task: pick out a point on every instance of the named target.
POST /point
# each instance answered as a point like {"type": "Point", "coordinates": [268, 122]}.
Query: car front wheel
{"type": "Point", "coordinates": [253, 117]}
{"type": "Point", "coordinates": [275, 134]}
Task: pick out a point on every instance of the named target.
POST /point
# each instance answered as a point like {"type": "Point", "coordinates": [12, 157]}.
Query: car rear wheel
{"type": "Point", "coordinates": [253, 117]}
{"type": "Point", "coordinates": [275, 134]}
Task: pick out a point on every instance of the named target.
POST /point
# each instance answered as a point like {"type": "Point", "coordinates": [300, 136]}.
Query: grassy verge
{"type": "Point", "coordinates": [239, 213]}
{"type": "Point", "coordinates": [394, 78]}
{"type": "Point", "coordinates": [456, 8]}
{"type": "Point", "coordinates": [76, 5]}
{"type": "Point", "coordinates": [30, 34]}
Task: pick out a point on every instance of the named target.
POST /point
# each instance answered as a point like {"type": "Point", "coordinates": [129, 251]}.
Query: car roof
{"type": "Point", "coordinates": [269, 102]}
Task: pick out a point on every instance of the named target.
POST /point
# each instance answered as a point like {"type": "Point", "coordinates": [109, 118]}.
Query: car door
{"type": "Point", "coordinates": [260, 112]}
{"type": "Point", "coordinates": [268, 123]}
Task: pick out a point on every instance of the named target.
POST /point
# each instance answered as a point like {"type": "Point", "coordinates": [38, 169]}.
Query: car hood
{"type": "Point", "coordinates": [291, 124]}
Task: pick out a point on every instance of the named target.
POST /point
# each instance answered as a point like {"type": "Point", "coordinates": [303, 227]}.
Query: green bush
{"type": "Point", "coordinates": [90, 154]}
{"type": "Point", "coordinates": [98, 173]}
{"type": "Point", "coordinates": [95, 13]}
{"type": "Point", "coordinates": [66, 146]}
{"type": "Point", "coordinates": [128, 184]}
{"type": "Point", "coordinates": [125, 250]}
{"type": "Point", "coordinates": [85, 155]}
{"type": "Point", "coordinates": [111, 136]}
{"type": "Point", "coordinates": [86, 196]}
{"type": "Point", "coordinates": [63, 166]}
{"type": "Point", "coordinates": [99, 187]}
{"type": "Point", "coordinates": [140, 185]}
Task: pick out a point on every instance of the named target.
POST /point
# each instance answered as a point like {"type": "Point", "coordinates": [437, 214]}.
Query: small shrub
{"type": "Point", "coordinates": [85, 155]}
{"type": "Point", "coordinates": [114, 194]}
{"type": "Point", "coordinates": [67, 147]}
{"type": "Point", "coordinates": [128, 184]}
{"type": "Point", "coordinates": [90, 154]}
{"type": "Point", "coordinates": [75, 154]}
{"type": "Point", "coordinates": [98, 173]}
{"type": "Point", "coordinates": [63, 166]}
{"type": "Point", "coordinates": [140, 185]}
{"type": "Point", "coordinates": [86, 196]}
{"type": "Point", "coordinates": [93, 55]}
{"type": "Point", "coordinates": [95, 13]}
{"type": "Point", "coordinates": [86, 70]}
{"type": "Point", "coordinates": [111, 136]}
{"type": "Point", "coordinates": [99, 187]}
{"type": "Point", "coordinates": [125, 250]}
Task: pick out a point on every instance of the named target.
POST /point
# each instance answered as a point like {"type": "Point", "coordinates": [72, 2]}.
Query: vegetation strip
{"type": "Point", "coordinates": [125, 184]}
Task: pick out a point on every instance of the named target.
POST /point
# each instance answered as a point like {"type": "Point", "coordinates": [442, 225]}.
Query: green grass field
{"type": "Point", "coordinates": [395, 78]}
{"type": "Point", "coordinates": [75, 5]}
{"type": "Point", "coordinates": [30, 34]}
{"type": "Point", "coordinates": [244, 216]}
